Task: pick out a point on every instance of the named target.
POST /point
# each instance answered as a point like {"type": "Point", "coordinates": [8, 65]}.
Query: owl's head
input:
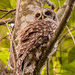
{"type": "Point", "coordinates": [45, 13]}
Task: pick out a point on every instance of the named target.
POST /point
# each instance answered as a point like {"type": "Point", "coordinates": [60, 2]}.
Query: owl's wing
{"type": "Point", "coordinates": [33, 36]}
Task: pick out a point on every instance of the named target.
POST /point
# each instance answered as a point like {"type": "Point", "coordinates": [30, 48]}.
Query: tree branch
{"type": "Point", "coordinates": [3, 70]}
{"type": "Point", "coordinates": [64, 35]}
{"type": "Point", "coordinates": [59, 3]}
{"type": "Point", "coordinates": [65, 4]}
{"type": "Point", "coordinates": [8, 11]}
{"type": "Point", "coordinates": [12, 48]}
{"type": "Point", "coordinates": [2, 22]}
{"type": "Point", "coordinates": [4, 37]}
{"type": "Point", "coordinates": [71, 34]}
{"type": "Point", "coordinates": [60, 12]}
{"type": "Point", "coordinates": [50, 3]}
{"type": "Point", "coordinates": [5, 10]}
{"type": "Point", "coordinates": [55, 36]}
{"type": "Point", "coordinates": [47, 66]}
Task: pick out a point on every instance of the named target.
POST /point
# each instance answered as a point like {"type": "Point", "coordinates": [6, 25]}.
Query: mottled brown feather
{"type": "Point", "coordinates": [32, 39]}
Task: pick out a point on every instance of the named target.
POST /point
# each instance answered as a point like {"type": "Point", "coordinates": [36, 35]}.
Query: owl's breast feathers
{"type": "Point", "coordinates": [33, 36]}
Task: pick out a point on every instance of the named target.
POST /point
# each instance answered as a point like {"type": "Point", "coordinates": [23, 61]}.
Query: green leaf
{"type": "Point", "coordinates": [51, 67]}
{"type": "Point", "coordinates": [46, 6]}
{"type": "Point", "coordinates": [5, 4]}
{"type": "Point", "coordinates": [71, 55]}
{"type": "Point", "coordinates": [56, 2]}
{"type": "Point", "coordinates": [4, 54]}
{"type": "Point", "coordinates": [5, 44]}
{"type": "Point", "coordinates": [13, 3]}
{"type": "Point", "coordinates": [71, 22]}
{"type": "Point", "coordinates": [3, 31]}
{"type": "Point", "coordinates": [68, 67]}
{"type": "Point", "coordinates": [67, 73]}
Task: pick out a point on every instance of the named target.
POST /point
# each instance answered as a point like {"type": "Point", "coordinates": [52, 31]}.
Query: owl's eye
{"type": "Point", "coordinates": [47, 13]}
{"type": "Point", "coordinates": [38, 14]}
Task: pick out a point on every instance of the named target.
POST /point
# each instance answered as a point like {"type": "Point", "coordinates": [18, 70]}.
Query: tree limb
{"type": "Point", "coordinates": [64, 35]}
{"type": "Point", "coordinates": [59, 3]}
{"type": "Point", "coordinates": [12, 47]}
{"type": "Point", "coordinates": [47, 66]}
{"type": "Point", "coordinates": [8, 11]}
{"type": "Point", "coordinates": [2, 22]}
{"type": "Point", "coordinates": [71, 34]}
{"type": "Point", "coordinates": [60, 12]}
{"type": "Point", "coordinates": [55, 36]}
{"type": "Point", "coordinates": [3, 70]}
{"type": "Point", "coordinates": [4, 37]}
{"type": "Point", "coordinates": [50, 3]}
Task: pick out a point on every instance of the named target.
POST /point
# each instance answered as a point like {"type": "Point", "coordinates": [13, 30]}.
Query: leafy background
{"type": "Point", "coordinates": [62, 62]}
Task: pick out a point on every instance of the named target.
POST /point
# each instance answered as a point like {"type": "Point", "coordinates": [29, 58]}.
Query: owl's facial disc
{"type": "Point", "coordinates": [44, 13]}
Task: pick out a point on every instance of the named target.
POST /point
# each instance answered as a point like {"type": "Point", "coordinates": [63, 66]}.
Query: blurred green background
{"type": "Point", "coordinates": [62, 62]}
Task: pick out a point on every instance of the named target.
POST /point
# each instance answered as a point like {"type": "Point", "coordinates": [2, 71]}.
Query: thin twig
{"type": "Point", "coordinates": [71, 34]}
{"type": "Point", "coordinates": [3, 69]}
{"type": "Point", "coordinates": [59, 3]}
{"type": "Point", "coordinates": [47, 69]}
{"type": "Point", "coordinates": [2, 22]}
{"type": "Point", "coordinates": [64, 35]}
{"type": "Point", "coordinates": [60, 12]}
{"type": "Point", "coordinates": [69, 37]}
{"type": "Point", "coordinates": [12, 46]}
{"type": "Point", "coordinates": [8, 71]}
{"type": "Point", "coordinates": [9, 11]}
{"type": "Point", "coordinates": [65, 4]}
{"type": "Point", "coordinates": [50, 3]}
{"type": "Point", "coordinates": [6, 10]}
{"type": "Point", "coordinates": [8, 27]}
{"type": "Point", "coordinates": [3, 37]}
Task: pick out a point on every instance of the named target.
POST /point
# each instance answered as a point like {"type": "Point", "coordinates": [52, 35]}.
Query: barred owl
{"type": "Point", "coordinates": [34, 38]}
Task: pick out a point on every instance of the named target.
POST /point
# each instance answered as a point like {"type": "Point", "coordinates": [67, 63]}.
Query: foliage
{"type": "Point", "coordinates": [4, 32]}
{"type": "Point", "coordinates": [62, 62]}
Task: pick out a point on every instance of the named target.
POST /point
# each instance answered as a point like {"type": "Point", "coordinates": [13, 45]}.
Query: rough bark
{"type": "Point", "coordinates": [24, 10]}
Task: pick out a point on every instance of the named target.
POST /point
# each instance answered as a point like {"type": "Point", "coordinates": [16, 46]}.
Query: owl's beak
{"type": "Point", "coordinates": [42, 17]}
